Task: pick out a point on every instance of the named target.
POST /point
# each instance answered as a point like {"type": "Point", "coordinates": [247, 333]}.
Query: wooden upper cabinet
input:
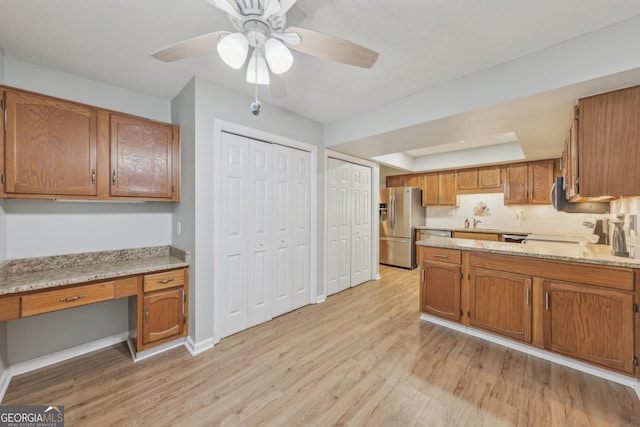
{"type": "Point", "coordinates": [529, 183]}
{"type": "Point", "coordinates": [541, 177]}
{"type": "Point", "coordinates": [142, 158]}
{"type": "Point", "coordinates": [479, 180]}
{"type": "Point", "coordinates": [50, 146]}
{"type": "Point", "coordinates": [439, 189]}
{"type": "Point", "coordinates": [609, 144]}
{"type": "Point", "coordinates": [516, 184]}
{"type": "Point", "coordinates": [394, 181]}
{"type": "Point", "coordinates": [593, 324]}
{"type": "Point", "coordinates": [412, 180]}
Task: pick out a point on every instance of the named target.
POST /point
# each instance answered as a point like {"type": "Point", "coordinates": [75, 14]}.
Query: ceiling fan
{"type": "Point", "coordinates": [260, 25]}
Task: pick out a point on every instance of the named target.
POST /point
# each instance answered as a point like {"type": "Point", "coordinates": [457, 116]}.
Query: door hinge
{"type": "Point", "coordinates": [184, 320]}
{"type": "Point", "coordinates": [461, 276]}
{"type": "Point", "coordinates": [468, 313]}
{"type": "Point", "coordinates": [2, 178]}
{"type": "Point", "coordinates": [635, 308]}
{"type": "Point", "coordinates": [184, 298]}
{"type": "Point", "coordinates": [635, 360]}
{"type": "Point", "coordinates": [461, 313]}
{"type": "Point", "coordinates": [2, 104]}
{"type": "Point", "coordinates": [468, 276]}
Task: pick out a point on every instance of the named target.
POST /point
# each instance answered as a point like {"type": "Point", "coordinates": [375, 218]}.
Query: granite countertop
{"type": "Point", "coordinates": [27, 274]}
{"type": "Point", "coordinates": [474, 230]}
{"type": "Point", "coordinates": [572, 252]}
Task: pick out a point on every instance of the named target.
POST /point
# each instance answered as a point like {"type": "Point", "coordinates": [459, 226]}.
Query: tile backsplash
{"type": "Point", "coordinates": [530, 218]}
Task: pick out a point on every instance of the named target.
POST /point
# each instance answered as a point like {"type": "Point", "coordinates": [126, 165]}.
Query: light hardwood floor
{"type": "Point", "coordinates": [361, 358]}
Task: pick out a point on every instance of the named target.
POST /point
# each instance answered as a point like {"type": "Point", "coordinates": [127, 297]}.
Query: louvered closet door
{"type": "Point", "coordinates": [232, 254]}
{"type": "Point", "coordinates": [339, 226]}
{"type": "Point", "coordinates": [360, 225]}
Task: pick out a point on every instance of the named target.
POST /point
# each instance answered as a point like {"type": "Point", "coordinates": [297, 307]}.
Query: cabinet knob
{"type": "Point", "coordinates": [93, 176]}
{"type": "Point", "coordinates": [113, 177]}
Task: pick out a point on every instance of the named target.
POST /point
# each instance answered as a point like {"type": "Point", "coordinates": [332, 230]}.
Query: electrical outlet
{"type": "Point", "coordinates": [178, 228]}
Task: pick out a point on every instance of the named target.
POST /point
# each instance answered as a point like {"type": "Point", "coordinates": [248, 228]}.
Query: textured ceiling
{"type": "Point", "coordinates": [422, 43]}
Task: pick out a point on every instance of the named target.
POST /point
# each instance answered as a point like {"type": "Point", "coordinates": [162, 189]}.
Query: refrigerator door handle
{"type": "Point", "coordinates": [393, 212]}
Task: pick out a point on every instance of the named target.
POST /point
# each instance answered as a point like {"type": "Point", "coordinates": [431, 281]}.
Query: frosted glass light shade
{"type": "Point", "coordinates": [259, 76]}
{"type": "Point", "coordinates": [278, 56]}
{"type": "Point", "coordinates": [233, 50]}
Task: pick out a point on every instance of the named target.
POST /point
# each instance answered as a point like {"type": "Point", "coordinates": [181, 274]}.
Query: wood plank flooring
{"type": "Point", "coordinates": [363, 358]}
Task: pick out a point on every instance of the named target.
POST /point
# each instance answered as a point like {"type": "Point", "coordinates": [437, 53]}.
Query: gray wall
{"type": "Point", "coordinates": [215, 102]}
{"type": "Point", "coordinates": [40, 227]}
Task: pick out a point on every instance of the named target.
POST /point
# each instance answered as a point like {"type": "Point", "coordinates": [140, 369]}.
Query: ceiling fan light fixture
{"type": "Point", "coordinates": [233, 50]}
{"type": "Point", "coordinates": [278, 56]}
{"type": "Point", "coordinates": [257, 71]}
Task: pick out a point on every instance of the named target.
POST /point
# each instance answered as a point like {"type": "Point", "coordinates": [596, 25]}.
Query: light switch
{"type": "Point", "coordinates": [178, 228]}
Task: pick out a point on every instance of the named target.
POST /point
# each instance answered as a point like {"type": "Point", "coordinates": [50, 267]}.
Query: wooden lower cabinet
{"type": "Point", "coordinates": [590, 323]}
{"type": "Point", "coordinates": [440, 289]}
{"type": "Point", "coordinates": [501, 303]}
{"type": "Point", "coordinates": [164, 316]}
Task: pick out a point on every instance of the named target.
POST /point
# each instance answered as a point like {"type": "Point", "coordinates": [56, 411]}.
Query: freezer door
{"type": "Point", "coordinates": [397, 251]}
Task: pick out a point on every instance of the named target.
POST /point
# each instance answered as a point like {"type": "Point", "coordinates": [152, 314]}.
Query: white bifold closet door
{"type": "Point", "coordinates": [263, 236]}
{"type": "Point", "coordinates": [349, 225]}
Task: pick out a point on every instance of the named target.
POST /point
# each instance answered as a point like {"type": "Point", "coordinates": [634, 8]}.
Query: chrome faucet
{"type": "Point", "coordinates": [476, 222]}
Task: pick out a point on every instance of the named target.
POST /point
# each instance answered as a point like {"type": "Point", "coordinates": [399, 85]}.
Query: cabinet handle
{"type": "Point", "coordinates": [146, 314]}
{"type": "Point", "coordinates": [423, 274]}
{"type": "Point", "coordinates": [162, 282]}
{"type": "Point", "coordinates": [440, 256]}
{"type": "Point", "coordinates": [528, 292]}
{"type": "Point", "coordinates": [546, 301]}
{"type": "Point", "coordinates": [93, 176]}
{"type": "Point", "coordinates": [70, 299]}
{"type": "Point", "coordinates": [113, 177]}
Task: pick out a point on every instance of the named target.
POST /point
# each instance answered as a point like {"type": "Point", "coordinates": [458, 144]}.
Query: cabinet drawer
{"type": "Point", "coordinates": [452, 256]}
{"type": "Point", "coordinates": [44, 302]}
{"type": "Point", "coordinates": [9, 308]}
{"type": "Point", "coordinates": [164, 280]}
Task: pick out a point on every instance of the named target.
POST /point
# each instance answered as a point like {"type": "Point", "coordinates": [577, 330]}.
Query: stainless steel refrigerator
{"type": "Point", "coordinates": [400, 212]}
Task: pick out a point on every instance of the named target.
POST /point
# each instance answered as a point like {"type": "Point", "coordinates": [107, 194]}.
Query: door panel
{"type": "Point", "coordinates": [301, 206]}
{"type": "Point", "coordinates": [361, 225]}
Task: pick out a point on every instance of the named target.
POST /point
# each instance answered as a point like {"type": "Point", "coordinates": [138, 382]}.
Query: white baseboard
{"type": "Point", "coordinates": [196, 348]}
{"type": "Point", "coordinates": [5, 379]}
{"type": "Point", "coordinates": [145, 354]}
{"type": "Point", "coordinates": [542, 354]}
{"type": "Point", "coordinates": [59, 356]}
{"type": "Point", "coordinates": [320, 299]}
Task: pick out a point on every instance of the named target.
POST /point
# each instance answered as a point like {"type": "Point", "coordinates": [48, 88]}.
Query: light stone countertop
{"type": "Point", "coordinates": [571, 252]}
{"type": "Point", "coordinates": [474, 230]}
{"type": "Point", "coordinates": [29, 274]}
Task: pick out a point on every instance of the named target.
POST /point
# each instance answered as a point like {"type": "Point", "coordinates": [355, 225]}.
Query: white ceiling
{"type": "Point", "coordinates": [422, 44]}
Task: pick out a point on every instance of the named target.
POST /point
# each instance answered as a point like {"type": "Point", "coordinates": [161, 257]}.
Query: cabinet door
{"type": "Point", "coordinates": [516, 185]}
{"type": "Point", "coordinates": [411, 181]}
{"type": "Point", "coordinates": [429, 189]}
{"type": "Point", "coordinates": [164, 316]}
{"type": "Point", "coordinates": [511, 293]}
{"type": "Point", "coordinates": [588, 323]}
{"type": "Point", "coordinates": [572, 164]}
{"type": "Point", "coordinates": [609, 137]}
{"type": "Point", "coordinates": [490, 177]}
{"type": "Point", "coordinates": [142, 158]}
{"type": "Point", "coordinates": [50, 146]}
{"type": "Point", "coordinates": [447, 188]}
{"type": "Point", "coordinates": [440, 290]}
{"type": "Point", "coordinates": [467, 179]}
{"type": "Point", "coordinates": [540, 181]}
{"type": "Point", "coordinates": [394, 181]}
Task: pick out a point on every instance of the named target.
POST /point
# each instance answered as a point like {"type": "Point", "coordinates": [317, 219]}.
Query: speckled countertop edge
{"type": "Point", "coordinates": [22, 275]}
{"type": "Point", "coordinates": [570, 252]}
{"type": "Point", "coordinates": [474, 230]}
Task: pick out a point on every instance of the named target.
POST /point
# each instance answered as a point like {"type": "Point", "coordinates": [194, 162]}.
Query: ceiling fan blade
{"type": "Point", "coordinates": [292, 39]}
{"type": "Point", "coordinates": [191, 47]}
{"type": "Point", "coordinates": [333, 48]}
{"type": "Point", "coordinates": [228, 6]}
{"type": "Point", "coordinates": [285, 5]}
{"type": "Point", "coordinates": [270, 7]}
